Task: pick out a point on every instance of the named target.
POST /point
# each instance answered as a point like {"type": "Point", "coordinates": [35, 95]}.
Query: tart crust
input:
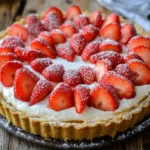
{"type": "Point", "coordinates": [76, 130]}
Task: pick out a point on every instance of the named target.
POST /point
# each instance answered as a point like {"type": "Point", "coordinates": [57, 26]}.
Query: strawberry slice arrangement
{"type": "Point", "coordinates": [35, 59]}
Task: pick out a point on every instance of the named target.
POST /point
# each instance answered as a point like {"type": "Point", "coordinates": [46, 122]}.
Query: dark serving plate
{"type": "Point", "coordinates": [72, 144]}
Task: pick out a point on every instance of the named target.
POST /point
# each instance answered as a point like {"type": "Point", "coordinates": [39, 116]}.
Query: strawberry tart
{"type": "Point", "coordinates": [74, 75]}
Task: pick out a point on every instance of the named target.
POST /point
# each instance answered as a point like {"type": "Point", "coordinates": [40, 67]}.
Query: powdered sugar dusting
{"type": "Point", "coordinates": [109, 41]}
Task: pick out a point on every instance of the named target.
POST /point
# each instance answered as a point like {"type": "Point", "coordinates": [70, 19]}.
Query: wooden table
{"type": "Point", "coordinates": [13, 10]}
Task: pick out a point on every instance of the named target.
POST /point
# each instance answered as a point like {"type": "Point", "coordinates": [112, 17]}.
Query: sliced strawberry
{"type": "Point", "coordinates": [8, 71]}
{"type": "Point", "coordinates": [54, 72]}
{"type": "Point", "coordinates": [68, 28]}
{"type": "Point", "coordinates": [5, 57]}
{"type": "Point", "coordinates": [47, 37]}
{"type": "Point", "coordinates": [24, 83]}
{"type": "Point", "coordinates": [123, 86]}
{"type": "Point", "coordinates": [21, 53]}
{"type": "Point", "coordinates": [81, 97]}
{"type": "Point", "coordinates": [20, 31]}
{"type": "Point", "coordinates": [64, 51]}
{"type": "Point", "coordinates": [73, 12]}
{"type": "Point", "coordinates": [72, 77]}
{"type": "Point", "coordinates": [104, 97]}
{"type": "Point", "coordinates": [42, 45]}
{"type": "Point", "coordinates": [77, 43]}
{"type": "Point", "coordinates": [127, 31]}
{"type": "Point", "coordinates": [101, 67]}
{"type": "Point", "coordinates": [110, 45]}
{"type": "Point", "coordinates": [40, 91]}
{"type": "Point", "coordinates": [141, 72]}
{"type": "Point", "coordinates": [111, 31]}
{"type": "Point", "coordinates": [114, 57]}
{"type": "Point", "coordinates": [40, 64]}
{"type": "Point", "coordinates": [81, 21]}
{"type": "Point", "coordinates": [90, 32]}
{"type": "Point", "coordinates": [112, 18]}
{"type": "Point", "coordinates": [61, 97]}
{"type": "Point", "coordinates": [5, 49]}
{"type": "Point", "coordinates": [58, 36]}
{"type": "Point", "coordinates": [35, 25]}
{"type": "Point", "coordinates": [138, 41]}
{"type": "Point", "coordinates": [96, 18]}
{"type": "Point", "coordinates": [87, 74]}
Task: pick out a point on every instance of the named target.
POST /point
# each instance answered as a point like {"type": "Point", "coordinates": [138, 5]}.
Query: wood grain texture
{"type": "Point", "coordinates": [8, 12]}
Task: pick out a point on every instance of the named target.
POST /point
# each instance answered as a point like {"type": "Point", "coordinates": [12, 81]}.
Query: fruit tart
{"type": "Point", "coordinates": [74, 75]}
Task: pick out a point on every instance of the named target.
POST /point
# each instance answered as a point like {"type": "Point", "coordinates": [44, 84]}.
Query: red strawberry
{"type": "Point", "coordinates": [42, 45]}
{"type": "Point", "coordinates": [5, 57]}
{"type": "Point", "coordinates": [138, 41]}
{"type": "Point", "coordinates": [40, 91]}
{"type": "Point", "coordinates": [21, 53]}
{"type": "Point", "coordinates": [110, 45]}
{"type": "Point", "coordinates": [90, 32]}
{"type": "Point", "coordinates": [63, 50]}
{"type": "Point", "coordinates": [111, 31]}
{"type": "Point", "coordinates": [104, 97]}
{"type": "Point", "coordinates": [35, 25]}
{"type": "Point", "coordinates": [12, 42]}
{"type": "Point", "coordinates": [5, 49]}
{"type": "Point", "coordinates": [101, 67]}
{"type": "Point", "coordinates": [53, 72]}
{"type": "Point", "coordinates": [24, 83]}
{"type": "Point", "coordinates": [114, 57]}
{"type": "Point", "coordinates": [73, 12]}
{"type": "Point", "coordinates": [58, 36]}
{"type": "Point", "coordinates": [81, 21]}
{"type": "Point", "coordinates": [96, 18]}
{"type": "Point", "coordinates": [141, 72]}
{"type": "Point", "coordinates": [47, 37]}
{"type": "Point", "coordinates": [81, 97]}
{"type": "Point", "coordinates": [68, 29]}
{"type": "Point", "coordinates": [87, 74]}
{"type": "Point", "coordinates": [144, 53]}
{"type": "Point", "coordinates": [61, 97]}
{"type": "Point", "coordinates": [40, 64]}
{"type": "Point", "coordinates": [72, 77]}
{"type": "Point", "coordinates": [77, 43]}
{"type": "Point", "coordinates": [112, 18]}
{"type": "Point", "coordinates": [20, 31]}
{"type": "Point", "coordinates": [123, 86]}
{"type": "Point", "coordinates": [127, 31]}
{"type": "Point", "coordinates": [8, 71]}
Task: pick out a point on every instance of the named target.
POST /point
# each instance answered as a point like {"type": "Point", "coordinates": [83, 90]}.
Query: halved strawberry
{"type": "Point", "coordinates": [87, 74]}
{"type": "Point", "coordinates": [123, 86]}
{"type": "Point", "coordinates": [20, 31]}
{"type": "Point", "coordinates": [72, 77]}
{"type": "Point", "coordinates": [24, 83]}
{"type": "Point", "coordinates": [5, 57]}
{"type": "Point", "coordinates": [77, 43]}
{"type": "Point", "coordinates": [96, 18]}
{"type": "Point", "coordinates": [90, 32]}
{"type": "Point", "coordinates": [104, 97]}
{"type": "Point", "coordinates": [138, 41]}
{"type": "Point", "coordinates": [54, 72]}
{"type": "Point", "coordinates": [68, 28]}
{"type": "Point", "coordinates": [111, 31]}
{"type": "Point", "coordinates": [8, 71]}
{"type": "Point", "coordinates": [40, 64]}
{"type": "Point", "coordinates": [40, 91]}
{"type": "Point", "coordinates": [101, 67]}
{"type": "Point", "coordinates": [5, 49]}
{"type": "Point", "coordinates": [42, 45]}
{"type": "Point", "coordinates": [141, 72]}
{"type": "Point", "coordinates": [64, 51]}
{"type": "Point", "coordinates": [81, 97]}
{"type": "Point", "coordinates": [58, 36]}
{"type": "Point", "coordinates": [73, 12]}
{"type": "Point", "coordinates": [21, 53]}
{"type": "Point", "coordinates": [110, 45]}
{"type": "Point", "coordinates": [127, 31]}
{"type": "Point", "coordinates": [61, 97]}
